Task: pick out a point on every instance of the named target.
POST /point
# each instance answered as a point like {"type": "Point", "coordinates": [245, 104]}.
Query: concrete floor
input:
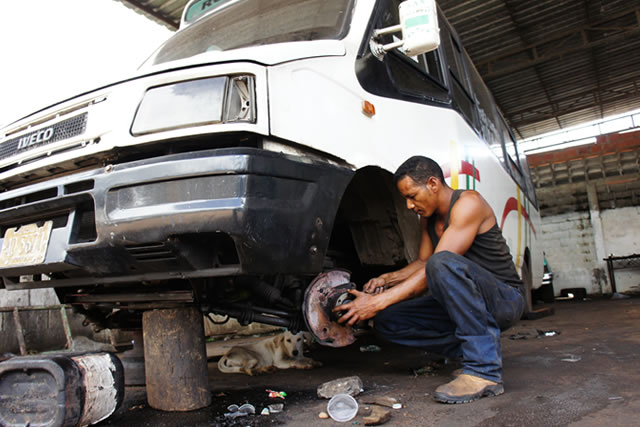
{"type": "Point", "coordinates": [587, 374]}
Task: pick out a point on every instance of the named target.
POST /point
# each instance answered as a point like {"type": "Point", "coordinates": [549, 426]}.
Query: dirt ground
{"type": "Point", "coordinates": [579, 367]}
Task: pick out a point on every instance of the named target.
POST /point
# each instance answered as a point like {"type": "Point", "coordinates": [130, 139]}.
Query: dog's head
{"type": "Point", "coordinates": [294, 344]}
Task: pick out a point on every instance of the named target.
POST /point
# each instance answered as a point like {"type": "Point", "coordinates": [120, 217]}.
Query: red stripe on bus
{"type": "Point", "coordinates": [466, 168]}
{"type": "Point", "coordinates": [512, 205]}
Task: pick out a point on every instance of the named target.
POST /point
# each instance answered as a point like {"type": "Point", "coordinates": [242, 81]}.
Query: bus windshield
{"type": "Point", "coordinates": [258, 22]}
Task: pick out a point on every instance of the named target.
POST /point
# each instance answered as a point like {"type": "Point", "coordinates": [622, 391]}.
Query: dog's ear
{"type": "Point", "coordinates": [278, 340]}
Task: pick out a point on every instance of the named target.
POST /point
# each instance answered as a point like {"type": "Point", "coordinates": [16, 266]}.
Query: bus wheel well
{"type": "Point", "coordinates": [373, 229]}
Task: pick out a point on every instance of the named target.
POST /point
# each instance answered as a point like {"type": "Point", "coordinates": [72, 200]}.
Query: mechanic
{"type": "Point", "coordinates": [466, 265]}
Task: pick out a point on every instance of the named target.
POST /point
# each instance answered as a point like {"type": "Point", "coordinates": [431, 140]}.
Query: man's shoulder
{"type": "Point", "coordinates": [471, 204]}
{"type": "Point", "coordinates": [471, 197]}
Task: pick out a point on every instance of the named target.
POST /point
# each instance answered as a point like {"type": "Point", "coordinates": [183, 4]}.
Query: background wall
{"type": "Point", "coordinates": [569, 244]}
{"type": "Point", "coordinates": [589, 198]}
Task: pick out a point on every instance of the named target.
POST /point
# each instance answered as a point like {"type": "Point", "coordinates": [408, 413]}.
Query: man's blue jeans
{"type": "Point", "coordinates": [463, 316]}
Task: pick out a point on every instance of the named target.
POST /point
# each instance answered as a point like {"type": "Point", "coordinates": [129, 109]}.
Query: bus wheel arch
{"type": "Point", "coordinates": [373, 228]}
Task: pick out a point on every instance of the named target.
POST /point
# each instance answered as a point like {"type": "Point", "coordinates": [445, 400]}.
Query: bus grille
{"type": "Point", "coordinates": [45, 135]}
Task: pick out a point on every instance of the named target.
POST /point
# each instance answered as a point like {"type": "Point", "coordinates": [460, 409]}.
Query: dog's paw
{"type": "Point", "coordinates": [308, 363]}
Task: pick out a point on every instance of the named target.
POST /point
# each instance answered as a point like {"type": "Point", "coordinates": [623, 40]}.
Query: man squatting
{"type": "Point", "coordinates": [466, 264]}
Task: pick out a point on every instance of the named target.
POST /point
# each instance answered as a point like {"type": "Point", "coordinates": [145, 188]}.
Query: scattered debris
{"type": "Point", "coordinates": [379, 415]}
{"type": "Point", "coordinates": [276, 394]}
{"type": "Point", "coordinates": [616, 398]}
{"type": "Point", "coordinates": [572, 359]}
{"type": "Point", "coordinates": [347, 385]}
{"type": "Point", "coordinates": [431, 369]}
{"type": "Point", "coordinates": [397, 406]}
{"type": "Point", "coordinates": [520, 336]}
{"type": "Point", "coordinates": [134, 407]}
{"type": "Point", "coordinates": [547, 333]}
{"type": "Point", "coordinates": [275, 408]}
{"type": "Point", "coordinates": [369, 348]}
{"type": "Point", "coordinates": [388, 401]}
{"type": "Point", "coordinates": [527, 335]}
{"type": "Point", "coordinates": [236, 411]}
{"type": "Point", "coordinates": [342, 407]}
{"type": "Point", "coordinates": [323, 415]}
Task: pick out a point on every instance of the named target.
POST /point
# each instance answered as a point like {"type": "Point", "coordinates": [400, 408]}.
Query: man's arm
{"type": "Point", "coordinates": [393, 278]}
{"type": "Point", "coordinates": [406, 283]}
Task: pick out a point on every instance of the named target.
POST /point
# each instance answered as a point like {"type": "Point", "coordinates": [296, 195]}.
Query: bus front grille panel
{"type": "Point", "coordinates": [45, 135]}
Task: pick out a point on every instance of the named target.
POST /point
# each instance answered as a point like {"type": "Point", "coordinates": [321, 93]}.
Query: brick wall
{"type": "Point", "coordinates": [605, 144]}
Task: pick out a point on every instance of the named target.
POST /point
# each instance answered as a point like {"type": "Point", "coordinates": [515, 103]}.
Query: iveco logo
{"type": "Point", "coordinates": [43, 135]}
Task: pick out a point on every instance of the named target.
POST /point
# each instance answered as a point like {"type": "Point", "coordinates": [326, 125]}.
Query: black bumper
{"type": "Point", "coordinates": [215, 212]}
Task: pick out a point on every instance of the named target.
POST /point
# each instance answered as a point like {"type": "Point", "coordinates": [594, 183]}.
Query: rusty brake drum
{"type": "Point", "coordinates": [325, 292]}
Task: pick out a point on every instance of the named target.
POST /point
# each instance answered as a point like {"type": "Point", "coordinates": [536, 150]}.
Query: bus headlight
{"type": "Point", "coordinates": [195, 103]}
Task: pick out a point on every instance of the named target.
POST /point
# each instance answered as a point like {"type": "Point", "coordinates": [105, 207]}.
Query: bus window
{"type": "Point", "coordinates": [462, 95]}
{"type": "Point", "coordinates": [242, 24]}
{"type": "Point", "coordinates": [512, 157]}
{"type": "Point", "coordinates": [488, 115]}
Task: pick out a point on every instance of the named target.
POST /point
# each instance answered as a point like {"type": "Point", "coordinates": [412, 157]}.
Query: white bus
{"type": "Point", "coordinates": [251, 152]}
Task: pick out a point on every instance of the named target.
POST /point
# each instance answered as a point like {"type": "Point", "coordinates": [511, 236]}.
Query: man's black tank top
{"type": "Point", "coordinates": [489, 249]}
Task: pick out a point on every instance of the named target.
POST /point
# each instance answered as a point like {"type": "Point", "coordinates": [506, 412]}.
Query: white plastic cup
{"type": "Point", "coordinates": [342, 408]}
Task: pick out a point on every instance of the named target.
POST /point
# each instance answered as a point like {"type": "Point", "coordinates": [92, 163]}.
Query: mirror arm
{"type": "Point", "coordinates": [388, 30]}
{"type": "Point", "coordinates": [378, 49]}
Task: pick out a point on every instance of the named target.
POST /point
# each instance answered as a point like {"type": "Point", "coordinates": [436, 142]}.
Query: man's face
{"type": "Point", "coordinates": [419, 197]}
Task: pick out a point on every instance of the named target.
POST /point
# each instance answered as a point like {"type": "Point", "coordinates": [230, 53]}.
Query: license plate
{"type": "Point", "coordinates": [26, 245]}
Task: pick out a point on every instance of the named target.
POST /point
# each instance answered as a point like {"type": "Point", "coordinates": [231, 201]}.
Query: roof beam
{"type": "Point", "coordinates": [540, 79]}
{"type": "Point", "coordinates": [543, 115]}
{"type": "Point", "coordinates": [512, 61]}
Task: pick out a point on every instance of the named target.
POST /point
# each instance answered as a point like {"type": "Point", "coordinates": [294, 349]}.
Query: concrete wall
{"type": "Point", "coordinates": [621, 229]}
{"type": "Point", "coordinates": [569, 247]}
{"type": "Point", "coordinates": [569, 244]}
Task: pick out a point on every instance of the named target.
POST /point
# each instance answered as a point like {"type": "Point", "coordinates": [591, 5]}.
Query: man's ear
{"type": "Point", "coordinates": [433, 184]}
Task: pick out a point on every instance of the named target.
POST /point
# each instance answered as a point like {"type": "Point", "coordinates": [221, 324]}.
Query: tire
{"type": "Point", "coordinates": [545, 294]}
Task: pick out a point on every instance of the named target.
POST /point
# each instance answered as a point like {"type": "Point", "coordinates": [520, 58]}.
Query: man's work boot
{"type": "Point", "coordinates": [466, 388]}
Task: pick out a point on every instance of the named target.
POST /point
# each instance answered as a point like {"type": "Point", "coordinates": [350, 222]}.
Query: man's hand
{"type": "Point", "coordinates": [364, 307]}
{"type": "Point", "coordinates": [374, 286]}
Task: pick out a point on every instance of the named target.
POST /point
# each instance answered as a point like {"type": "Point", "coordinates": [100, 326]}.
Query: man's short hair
{"type": "Point", "coordinates": [419, 169]}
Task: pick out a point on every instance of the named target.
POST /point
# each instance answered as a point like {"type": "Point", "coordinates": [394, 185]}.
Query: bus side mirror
{"type": "Point", "coordinates": [419, 26]}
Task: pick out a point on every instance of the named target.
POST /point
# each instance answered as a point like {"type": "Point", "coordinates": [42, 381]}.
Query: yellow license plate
{"type": "Point", "coordinates": [26, 245]}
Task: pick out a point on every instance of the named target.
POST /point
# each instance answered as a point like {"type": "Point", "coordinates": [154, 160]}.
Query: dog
{"type": "Point", "coordinates": [282, 351]}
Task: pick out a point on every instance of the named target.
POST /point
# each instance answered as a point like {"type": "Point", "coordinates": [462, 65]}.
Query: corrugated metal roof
{"type": "Point", "coordinates": [551, 64]}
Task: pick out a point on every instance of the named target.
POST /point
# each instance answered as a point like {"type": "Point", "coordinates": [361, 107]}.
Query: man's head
{"type": "Point", "coordinates": [420, 180]}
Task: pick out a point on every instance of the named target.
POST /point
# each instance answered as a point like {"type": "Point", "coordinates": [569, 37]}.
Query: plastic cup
{"type": "Point", "coordinates": [342, 408]}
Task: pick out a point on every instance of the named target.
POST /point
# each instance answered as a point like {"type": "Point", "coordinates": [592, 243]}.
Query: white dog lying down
{"type": "Point", "coordinates": [282, 351]}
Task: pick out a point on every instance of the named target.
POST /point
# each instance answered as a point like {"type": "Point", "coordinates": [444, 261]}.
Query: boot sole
{"type": "Point", "coordinates": [494, 390]}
